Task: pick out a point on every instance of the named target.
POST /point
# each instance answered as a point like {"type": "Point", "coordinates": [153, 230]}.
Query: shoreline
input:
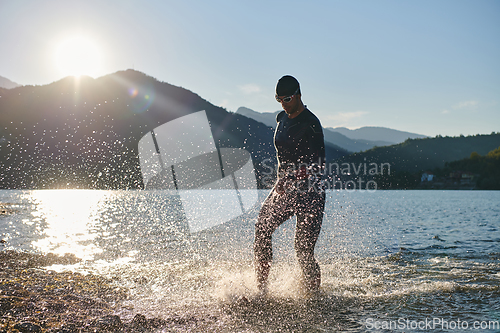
{"type": "Point", "coordinates": [34, 299]}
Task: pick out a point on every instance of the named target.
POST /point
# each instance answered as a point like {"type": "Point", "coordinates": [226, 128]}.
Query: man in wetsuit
{"type": "Point", "coordinates": [300, 150]}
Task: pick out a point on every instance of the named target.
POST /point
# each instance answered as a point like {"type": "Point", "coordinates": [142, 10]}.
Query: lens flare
{"type": "Point", "coordinates": [142, 97]}
{"type": "Point", "coordinates": [133, 92]}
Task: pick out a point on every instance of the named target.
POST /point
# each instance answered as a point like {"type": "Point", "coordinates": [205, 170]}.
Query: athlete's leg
{"type": "Point", "coordinates": [275, 210]}
{"type": "Point", "coordinates": [309, 220]}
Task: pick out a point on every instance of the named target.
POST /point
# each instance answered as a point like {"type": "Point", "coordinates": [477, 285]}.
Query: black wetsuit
{"type": "Point", "coordinates": [299, 141]}
{"type": "Point", "coordinates": [299, 144]}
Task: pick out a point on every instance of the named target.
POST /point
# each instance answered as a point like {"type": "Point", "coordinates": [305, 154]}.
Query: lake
{"type": "Point", "coordinates": [408, 261]}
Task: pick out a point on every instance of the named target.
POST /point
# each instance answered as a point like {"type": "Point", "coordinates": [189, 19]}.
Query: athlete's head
{"type": "Point", "coordinates": [287, 86]}
{"type": "Point", "coordinates": [288, 94]}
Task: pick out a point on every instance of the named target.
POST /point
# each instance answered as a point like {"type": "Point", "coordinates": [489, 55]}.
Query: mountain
{"type": "Point", "coordinates": [416, 155]}
{"type": "Point", "coordinates": [84, 133]}
{"type": "Point", "coordinates": [401, 166]}
{"type": "Point", "coordinates": [267, 118]}
{"type": "Point", "coordinates": [7, 84]}
{"type": "Point", "coordinates": [351, 145]}
{"type": "Point", "coordinates": [381, 134]}
{"type": "Point", "coordinates": [332, 137]}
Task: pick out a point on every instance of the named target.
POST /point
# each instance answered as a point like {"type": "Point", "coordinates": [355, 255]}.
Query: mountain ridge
{"type": "Point", "coordinates": [8, 84]}
{"type": "Point", "coordinates": [84, 132]}
{"type": "Point", "coordinates": [374, 133]}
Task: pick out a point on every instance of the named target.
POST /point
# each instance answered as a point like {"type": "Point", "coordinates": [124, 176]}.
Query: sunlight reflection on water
{"type": "Point", "coordinates": [68, 217]}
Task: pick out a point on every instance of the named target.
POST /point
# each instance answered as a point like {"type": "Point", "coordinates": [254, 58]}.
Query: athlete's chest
{"type": "Point", "coordinates": [288, 132]}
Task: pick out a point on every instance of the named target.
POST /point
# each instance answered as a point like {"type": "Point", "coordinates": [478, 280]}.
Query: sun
{"type": "Point", "coordinates": [78, 55]}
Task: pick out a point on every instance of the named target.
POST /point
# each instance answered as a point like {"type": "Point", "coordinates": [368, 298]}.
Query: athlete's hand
{"type": "Point", "coordinates": [283, 185]}
{"type": "Point", "coordinates": [301, 173]}
{"type": "Point", "coordinates": [280, 186]}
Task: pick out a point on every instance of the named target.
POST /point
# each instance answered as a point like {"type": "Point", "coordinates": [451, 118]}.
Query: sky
{"type": "Point", "coordinates": [427, 67]}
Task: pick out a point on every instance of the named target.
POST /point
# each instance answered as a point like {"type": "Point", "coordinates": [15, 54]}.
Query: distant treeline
{"type": "Point", "coordinates": [475, 172]}
{"type": "Point", "coordinates": [415, 155]}
{"type": "Point", "coordinates": [439, 156]}
{"type": "Point", "coordinates": [486, 169]}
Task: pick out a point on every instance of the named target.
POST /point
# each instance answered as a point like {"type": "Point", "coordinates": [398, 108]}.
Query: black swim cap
{"type": "Point", "coordinates": [287, 86]}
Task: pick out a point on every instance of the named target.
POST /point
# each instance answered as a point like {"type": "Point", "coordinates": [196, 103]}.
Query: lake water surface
{"type": "Point", "coordinates": [408, 261]}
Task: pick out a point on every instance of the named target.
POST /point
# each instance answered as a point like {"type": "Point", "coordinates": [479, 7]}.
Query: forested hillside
{"type": "Point", "coordinates": [84, 133]}
{"type": "Point", "coordinates": [402, 166]}
{"type": "Point", "coordinates": [415, 155]}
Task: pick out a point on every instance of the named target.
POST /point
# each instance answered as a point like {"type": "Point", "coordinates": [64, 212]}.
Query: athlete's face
{"type": "Point", "coordinates": [291, 106]}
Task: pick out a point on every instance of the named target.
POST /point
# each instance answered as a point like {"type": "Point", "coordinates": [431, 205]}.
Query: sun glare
{"type": "Point", "coordinates": [78, 55]}
{"type": "Point", "coordinates": [68, 216]}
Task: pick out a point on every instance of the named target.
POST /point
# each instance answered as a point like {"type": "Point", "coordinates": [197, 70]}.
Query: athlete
{"type": "Point", "coordinates": [300, 151]}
